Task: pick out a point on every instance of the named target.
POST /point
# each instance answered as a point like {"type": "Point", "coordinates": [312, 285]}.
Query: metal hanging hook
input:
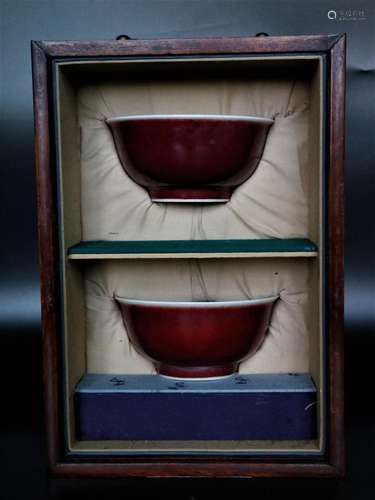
{"type": "Point", "coordinates": [123, 37]}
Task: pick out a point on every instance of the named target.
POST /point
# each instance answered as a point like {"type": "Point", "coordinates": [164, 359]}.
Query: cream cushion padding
{"type": "Point", "coordinates": [285, 348]}
{"type": "Point", "coordinates": [272, 203]}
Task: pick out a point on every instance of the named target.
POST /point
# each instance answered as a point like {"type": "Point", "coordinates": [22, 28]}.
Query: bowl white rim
{"type": "Point", "coordinates": [191, 116]}
{"type": "Point", "coordinates": [197, 304]}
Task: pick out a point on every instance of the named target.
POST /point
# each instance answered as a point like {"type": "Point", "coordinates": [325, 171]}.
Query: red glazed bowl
{"type": "Point", "coordinates": [196, 339]}
{"type": "Point", "coordinates": [189, 158]}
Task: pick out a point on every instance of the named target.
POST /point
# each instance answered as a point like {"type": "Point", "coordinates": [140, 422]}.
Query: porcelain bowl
{"type": "Point", "coordinates": [189, 158]}
{"type": "Point", "coordinates": [196, 339]}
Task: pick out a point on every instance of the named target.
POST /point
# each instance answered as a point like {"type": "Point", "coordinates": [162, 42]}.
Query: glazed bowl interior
{"type": "Point", "coordinates": [196, 339]}
{"type": "Point", "coordinates": [189, 158]}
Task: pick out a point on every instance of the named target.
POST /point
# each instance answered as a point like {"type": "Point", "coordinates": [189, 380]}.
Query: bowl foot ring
{"type": "Point", "coordinates": [198, 372]}
{"type": "Point", "coordinates": [190, 195]}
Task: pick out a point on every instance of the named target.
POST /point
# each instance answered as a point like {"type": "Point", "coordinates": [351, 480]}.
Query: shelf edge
{"type": "Point", "coordinates": [189, 255]}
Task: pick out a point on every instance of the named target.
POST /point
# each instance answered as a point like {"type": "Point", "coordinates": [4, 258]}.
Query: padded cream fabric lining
{"type": "Point", "coordinates": [272, 203]}
{"type": "Point", "coordinates": [285, 348]}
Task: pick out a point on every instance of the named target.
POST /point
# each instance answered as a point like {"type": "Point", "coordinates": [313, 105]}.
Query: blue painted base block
{"type": "Point", "coordinates": [151, 407]}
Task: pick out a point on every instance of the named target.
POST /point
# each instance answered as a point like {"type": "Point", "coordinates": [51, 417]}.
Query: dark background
{"type": "Point", "coordinates": [22, 464]}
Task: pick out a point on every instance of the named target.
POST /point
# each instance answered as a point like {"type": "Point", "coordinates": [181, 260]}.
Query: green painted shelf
{"type": "Point", "coordinates": [290, 247]}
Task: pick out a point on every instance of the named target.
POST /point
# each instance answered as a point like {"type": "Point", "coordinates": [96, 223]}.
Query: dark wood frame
{"type": "Point", "coordinates": [332, 463]}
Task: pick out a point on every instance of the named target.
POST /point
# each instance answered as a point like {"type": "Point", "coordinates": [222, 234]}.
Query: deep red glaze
{"type": "Point", "coordinates": [196, 339]}
{"type": "Point", "coordinates": [190, 154]}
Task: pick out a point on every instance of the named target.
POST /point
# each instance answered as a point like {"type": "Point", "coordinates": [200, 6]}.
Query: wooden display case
{"type": "Point", "coordinates": [80, 239]}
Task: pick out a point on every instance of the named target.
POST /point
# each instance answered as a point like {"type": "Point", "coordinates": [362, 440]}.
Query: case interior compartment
{"type": "Point", "coordinates": [283, 199]}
